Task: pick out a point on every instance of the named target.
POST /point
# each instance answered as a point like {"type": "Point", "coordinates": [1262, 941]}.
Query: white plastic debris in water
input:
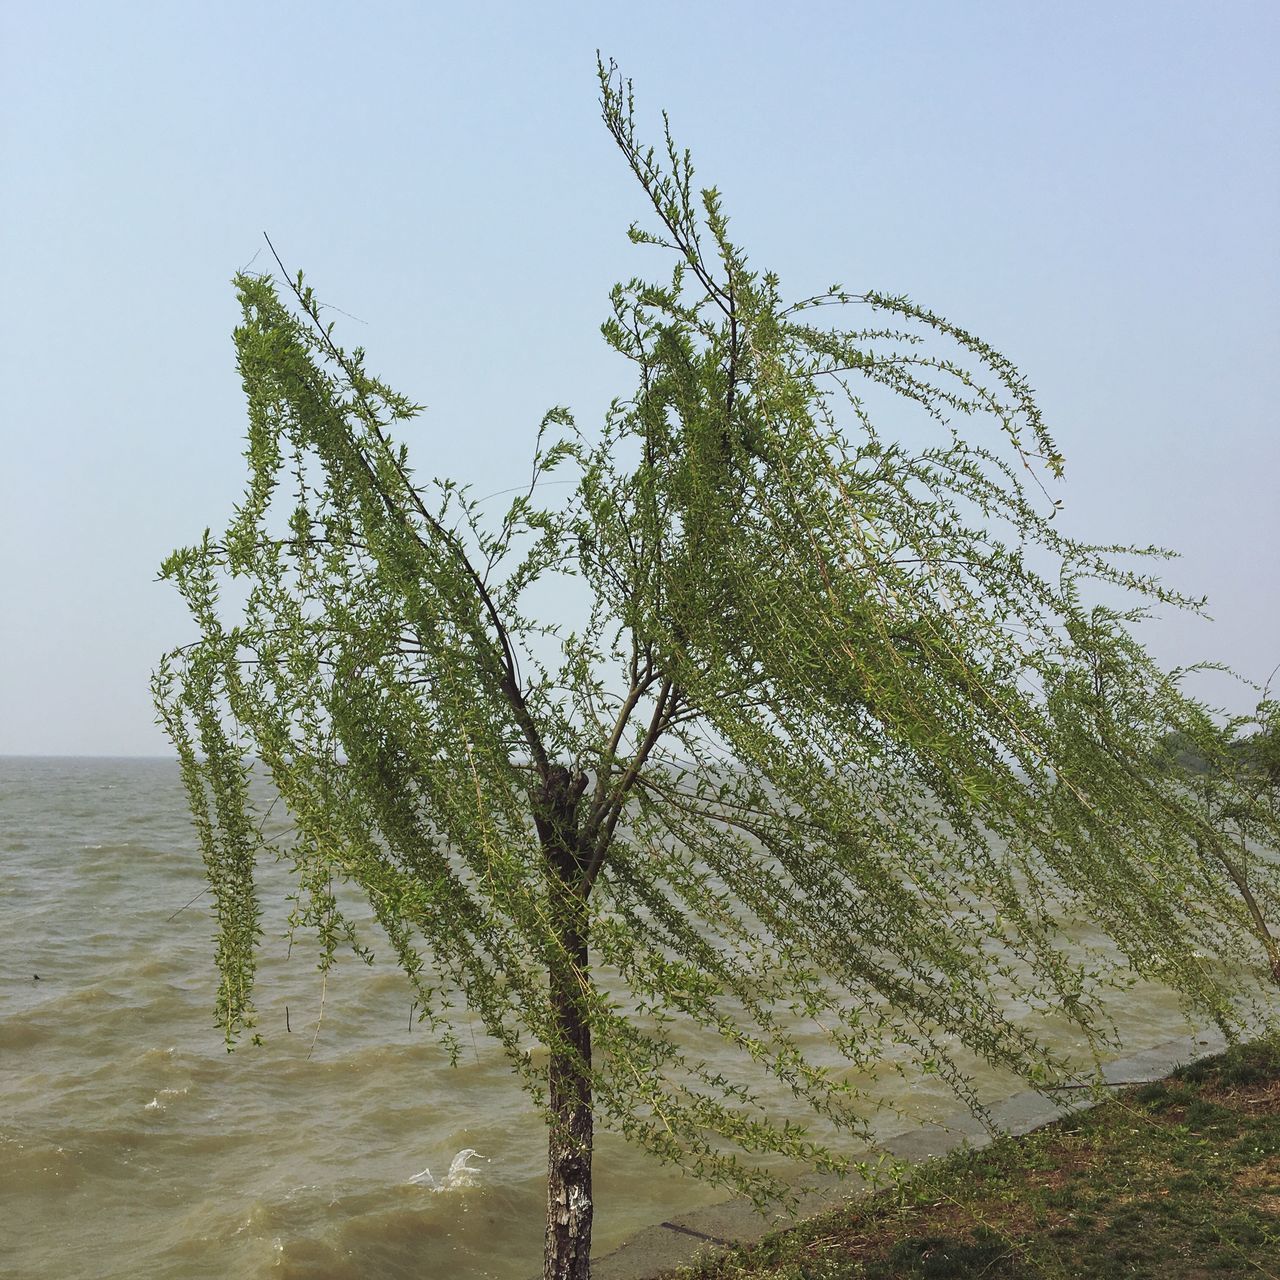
{"type": "Point", "coordinates": [460, 1173]}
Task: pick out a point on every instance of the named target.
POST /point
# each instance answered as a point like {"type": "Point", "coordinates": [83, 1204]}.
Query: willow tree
{"type": "Point", "coordinates": [836, 736]}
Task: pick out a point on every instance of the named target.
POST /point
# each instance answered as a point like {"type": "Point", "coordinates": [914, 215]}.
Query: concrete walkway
{"type": "Point", "coordinates": [679, 1240]}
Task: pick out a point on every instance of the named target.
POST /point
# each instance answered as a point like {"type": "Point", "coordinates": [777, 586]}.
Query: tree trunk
{"type": "Point", "coordinates": [567, 1254]}
{"type": "Point", "coordinates": [569, 1203]}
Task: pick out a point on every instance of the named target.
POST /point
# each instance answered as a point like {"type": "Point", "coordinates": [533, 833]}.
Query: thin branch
{"type": "Point", "coordinates": [641, 682]}
{"type": "Point", "coordinates": [600, 836]}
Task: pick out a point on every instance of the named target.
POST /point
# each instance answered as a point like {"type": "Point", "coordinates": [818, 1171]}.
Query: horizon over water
{"type": "Point", "coordinates": [132, 1143]}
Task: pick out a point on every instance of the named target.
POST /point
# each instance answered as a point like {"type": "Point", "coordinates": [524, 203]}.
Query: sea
{"type": "Point", "coordinates": [345, 1146]}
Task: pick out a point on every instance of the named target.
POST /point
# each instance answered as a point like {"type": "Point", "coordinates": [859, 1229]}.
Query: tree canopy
{"type": "Point", "coordinates": [846, 725]}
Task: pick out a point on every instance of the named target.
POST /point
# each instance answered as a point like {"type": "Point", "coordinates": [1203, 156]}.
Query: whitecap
{"type": "Point", "coordinates": [460, 1174]}
{"type": "Point", "coordinates": [163, 1097]}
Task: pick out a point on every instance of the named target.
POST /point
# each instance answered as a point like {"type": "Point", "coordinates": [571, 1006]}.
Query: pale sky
{"type": "Point", "coordinates": [1094, 188]}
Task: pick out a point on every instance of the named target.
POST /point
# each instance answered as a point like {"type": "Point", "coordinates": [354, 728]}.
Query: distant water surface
{"type": "Point", "coordinates": [132, 1144]}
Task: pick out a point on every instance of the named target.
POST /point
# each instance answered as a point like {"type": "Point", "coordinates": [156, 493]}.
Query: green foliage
{"type": "Point", "coordinates": [838, 742]}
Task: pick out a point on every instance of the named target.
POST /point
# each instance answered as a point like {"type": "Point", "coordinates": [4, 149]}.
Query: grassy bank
{"type": "Point", "coordinates": [1178, 1180]}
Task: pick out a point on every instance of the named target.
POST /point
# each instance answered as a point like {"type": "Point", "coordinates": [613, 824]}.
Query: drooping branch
{"type": "Point", "coordinates": [510, 684]}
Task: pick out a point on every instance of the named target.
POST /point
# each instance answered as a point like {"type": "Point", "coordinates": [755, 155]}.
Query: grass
{"type": "Point", "coordinates": [1178, 1180]}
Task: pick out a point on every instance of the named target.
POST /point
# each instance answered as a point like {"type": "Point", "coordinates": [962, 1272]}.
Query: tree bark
{"type": "Point", "coordinates": [569, 1202]}
{"type": "Point", "coordinates": [567, 1254]}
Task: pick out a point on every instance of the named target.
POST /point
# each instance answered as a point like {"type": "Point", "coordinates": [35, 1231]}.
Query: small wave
{"type": "Point", "coordinates": [35, 1167]}
{"type": "Point", "coordinates": [156, 1054]}
{"type": "Point", "coordinates": [24, 1033]}
{"type": "Point", "coordinates": [162, 1099]}
{"type": "Point", "coordinates": [460, 1174]}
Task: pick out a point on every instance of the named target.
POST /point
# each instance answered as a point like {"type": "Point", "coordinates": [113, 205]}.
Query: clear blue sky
{"type": "Point", "coordinates": [1092, 187]}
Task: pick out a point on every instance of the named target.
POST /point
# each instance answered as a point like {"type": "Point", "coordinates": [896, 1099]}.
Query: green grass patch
{"type": "Point", "coordinates": [1178, 1180]}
